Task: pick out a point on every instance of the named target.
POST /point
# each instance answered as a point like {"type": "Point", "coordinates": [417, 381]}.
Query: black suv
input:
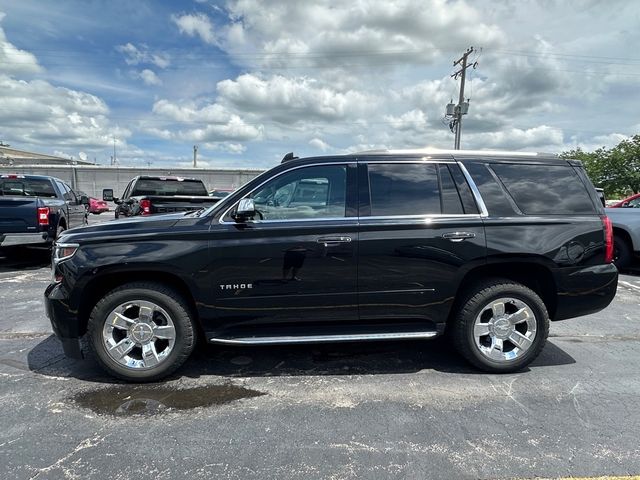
{"type": "Point", "coordinates": [487, 247]}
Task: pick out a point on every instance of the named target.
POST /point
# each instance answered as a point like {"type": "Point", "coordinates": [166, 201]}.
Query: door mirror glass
{"type": "Point", "coordinates": [107, 194]}
{"type": "Point", "coordinates": [84, 200]}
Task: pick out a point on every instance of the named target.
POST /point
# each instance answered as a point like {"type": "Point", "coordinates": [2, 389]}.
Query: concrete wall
{"type": "Point", "coordinates": [92, 179]}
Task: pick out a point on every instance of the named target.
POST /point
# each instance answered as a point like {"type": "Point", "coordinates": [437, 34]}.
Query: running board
{"type": "Point", "coordinates": [296, 339]}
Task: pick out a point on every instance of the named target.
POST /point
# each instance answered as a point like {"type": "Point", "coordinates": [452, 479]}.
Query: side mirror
{"type": "Point", "coordinates": [246, 209]}
{"type": "Point", "coordinates": [625, 204]}
{"type": "Point", "coordinates": [84, 200]}
{"type": "Point", "coordinates": [107, 194]}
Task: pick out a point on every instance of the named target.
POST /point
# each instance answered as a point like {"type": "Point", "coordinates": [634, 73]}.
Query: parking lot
{"type": "Point", "coordinates": [380, 410]}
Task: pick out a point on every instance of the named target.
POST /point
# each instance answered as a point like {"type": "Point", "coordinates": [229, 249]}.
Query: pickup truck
{"type": "Point", "coordinates": [626, 231]}
{"type": "Point", "coordinates": [145, 195]}
{"type": "Point", "coordinates": [35, 210]}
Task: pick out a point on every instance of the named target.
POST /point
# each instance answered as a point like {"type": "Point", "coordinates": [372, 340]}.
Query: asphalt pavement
{"type": "Point", "coordinates": [377, 410]}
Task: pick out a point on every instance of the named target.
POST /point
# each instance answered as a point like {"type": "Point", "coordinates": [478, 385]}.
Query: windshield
{"type": "Point", "coordinates": [169, 187]}
{"type": "Point", "coordinates": [22, 187]}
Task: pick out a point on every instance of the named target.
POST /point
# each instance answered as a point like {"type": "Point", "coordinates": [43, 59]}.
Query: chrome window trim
{"type": "Point", "coordinates": [472, 185]}
{"type": "Point", "coordinates": [320, 164]}
{"type": "Point", "coordinates": [422, 217]}
{"type": "Point", "coordinates": [474, 190]}
{"type": "Point", "coordinates": [417, 161]}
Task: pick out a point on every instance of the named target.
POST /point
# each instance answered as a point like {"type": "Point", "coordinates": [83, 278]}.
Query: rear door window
{"type": "Point", "coordinates": [404, 189]}
{"type": "Point", "coordinates": [545, 189]}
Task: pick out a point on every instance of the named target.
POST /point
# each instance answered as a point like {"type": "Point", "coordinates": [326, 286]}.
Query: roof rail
{"type": "Point", "coordinates": [433, 151]}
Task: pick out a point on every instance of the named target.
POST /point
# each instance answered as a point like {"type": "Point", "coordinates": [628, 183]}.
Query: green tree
{"type": "Point", "coordinates": [617, 170]}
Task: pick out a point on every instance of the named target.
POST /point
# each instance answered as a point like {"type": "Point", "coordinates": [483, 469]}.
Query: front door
{"type": "Point", "coordinates": [295, 262]}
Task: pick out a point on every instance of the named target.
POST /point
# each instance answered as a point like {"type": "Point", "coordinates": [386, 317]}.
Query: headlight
{"type": "Point", "coordinates": [64, 251]}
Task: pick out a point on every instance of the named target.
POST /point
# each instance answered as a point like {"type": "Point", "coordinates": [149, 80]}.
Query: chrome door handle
{"type": "Point", "coordinates": [458, 236]}
{"type": "Point", "coordinates": [328, 241]}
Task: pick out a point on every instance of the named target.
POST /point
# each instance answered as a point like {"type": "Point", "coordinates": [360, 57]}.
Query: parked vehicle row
{"type": "Point", "coordinates": [371, 246]}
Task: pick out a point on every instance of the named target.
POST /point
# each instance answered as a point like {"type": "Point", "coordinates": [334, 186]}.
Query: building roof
{"type": "Point", "coordinates": [13, 156]}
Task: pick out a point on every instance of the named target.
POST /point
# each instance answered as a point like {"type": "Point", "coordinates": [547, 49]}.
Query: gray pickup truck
{"type": "Point", "coordinates": [35, 209]}
{"type": "Point", "coordinates": [626, 230]}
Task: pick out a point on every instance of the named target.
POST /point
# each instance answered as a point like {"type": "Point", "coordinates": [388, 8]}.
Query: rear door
{"type": "Point", "coordinates": [419, 228]}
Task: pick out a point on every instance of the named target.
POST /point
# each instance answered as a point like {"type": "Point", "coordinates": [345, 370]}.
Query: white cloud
{"type": "Point", "coordinates": [319, 144]}
{"type": "Point", "coordinates": [149, 77]}
{"type": "Point", "coordinates": [135, 56]}
{"type": "Point", "coordinates": [290, 100]}
{"type": "Point", "coordinates": [39, 113]}
{"type": "Point", "coordinates": [195, 24]}
{"type": "Point", "coordinates": [516, 138]}
{"type": "Point", "coordinates": [14, 61]}
{"type": "Point", "coordinates": [412, 121]}
{"type": "Point", "coordinates": [211, 123]}
{"type": "Point", "coordinates": [326, 32]}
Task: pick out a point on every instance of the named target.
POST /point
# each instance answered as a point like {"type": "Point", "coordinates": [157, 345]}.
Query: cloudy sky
{"type": "Point", "coordinates": [249, 80]}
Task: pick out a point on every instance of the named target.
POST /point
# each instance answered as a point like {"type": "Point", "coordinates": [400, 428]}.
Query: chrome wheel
{"type": "Point", "coordinates": [505, 329]}
{"type": "Point", "coordinates": [139, 334]}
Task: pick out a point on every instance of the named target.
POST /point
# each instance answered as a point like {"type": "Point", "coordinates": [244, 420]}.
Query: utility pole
{"type": "Point", "coordinates": [461, 108]}
{"type": "Point", "coordinates": [195, 156]}
{"type": "Point", "coordinates": [115, 160]}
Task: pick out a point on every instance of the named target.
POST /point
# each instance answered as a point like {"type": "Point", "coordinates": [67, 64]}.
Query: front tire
{"type": "Point", "coordinates": [141, 332]}
{"type": "Point", "coordinates": [501, 326]}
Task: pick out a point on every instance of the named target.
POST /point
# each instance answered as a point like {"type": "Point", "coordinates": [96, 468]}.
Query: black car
{"type": "Point", "coordinates": [372, 246]}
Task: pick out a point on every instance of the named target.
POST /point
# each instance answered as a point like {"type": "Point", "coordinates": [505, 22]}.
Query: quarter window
{"type": "Point", "coordinates": [545, 189]}
{"type": "Point", "coordinates": [304, 193]}
{"type": "Point", "coordinates": [404, 189]}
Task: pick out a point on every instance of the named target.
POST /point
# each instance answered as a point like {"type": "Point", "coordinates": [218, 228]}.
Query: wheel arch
{"type": "Point", "coordinates": [621, 232]}
{"type": "Point", "coordinates": [100, 285]}
{"type": "Point", "coordinates": [531, 273]}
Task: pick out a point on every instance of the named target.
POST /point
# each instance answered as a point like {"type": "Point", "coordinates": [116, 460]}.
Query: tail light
{"type": "Point", "coordinates": [145, 207]}
{"type": "Point", "coordinates": [43, 216]}
{"type": "Point", "coordinates": [608, 239]}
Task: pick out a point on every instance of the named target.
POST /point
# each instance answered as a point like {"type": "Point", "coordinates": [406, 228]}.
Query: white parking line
{"type": "Point", "coordinates": [627, 284]}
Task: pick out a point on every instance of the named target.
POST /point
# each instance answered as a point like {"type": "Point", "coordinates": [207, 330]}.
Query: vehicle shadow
{"type": "Point", "coordinates": [22, 258]}
{"type": "Point", "coordinates": [379, 358]}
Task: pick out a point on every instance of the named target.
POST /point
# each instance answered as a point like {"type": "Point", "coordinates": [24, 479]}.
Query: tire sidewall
{"type": "Point", "coordinates": [181, 321]}
{"type": "Point", "coordinates": [540, 312]}
{"type": "Point", "coordinates": [623, 250]}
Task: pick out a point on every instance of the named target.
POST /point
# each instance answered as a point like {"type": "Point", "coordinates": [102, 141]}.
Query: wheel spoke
{"type": "Point", "coordinates": [496, 349]}
{"type": "Point", "coordinates": [149, 354]}
{"type": "Point", "coordinates": [121, 348]}
{"type": "Point", "coordinates": [498, 309]}
{"type": "Point", "coordinates": [146, 314]}
{"type": "Point", "coordinates": [519, 340]}
{"type": "Point", "coordinates": [167, 332]}
{"type": "Point", "coordinates": [520, 316]}
{"type": "Point", "coordinates": [121, 322]}
{"type": "Point", "coordinates": [481, 329]}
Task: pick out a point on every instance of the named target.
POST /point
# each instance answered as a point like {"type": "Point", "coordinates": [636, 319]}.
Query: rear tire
{"type": "Point", "coordinates": [59, 231]}
{"type": "Point", "coordinates": [141, 332]}
{"type": "Point", "coordinates": [501, 326]}
{"type": "Point", "coordinates": [622, 253]}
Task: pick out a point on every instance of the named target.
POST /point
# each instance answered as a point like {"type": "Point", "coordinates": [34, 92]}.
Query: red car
{"type": "Point", "coordinates": [96, 206]}
{"type": "Point", "coordinates": [633, 201]}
